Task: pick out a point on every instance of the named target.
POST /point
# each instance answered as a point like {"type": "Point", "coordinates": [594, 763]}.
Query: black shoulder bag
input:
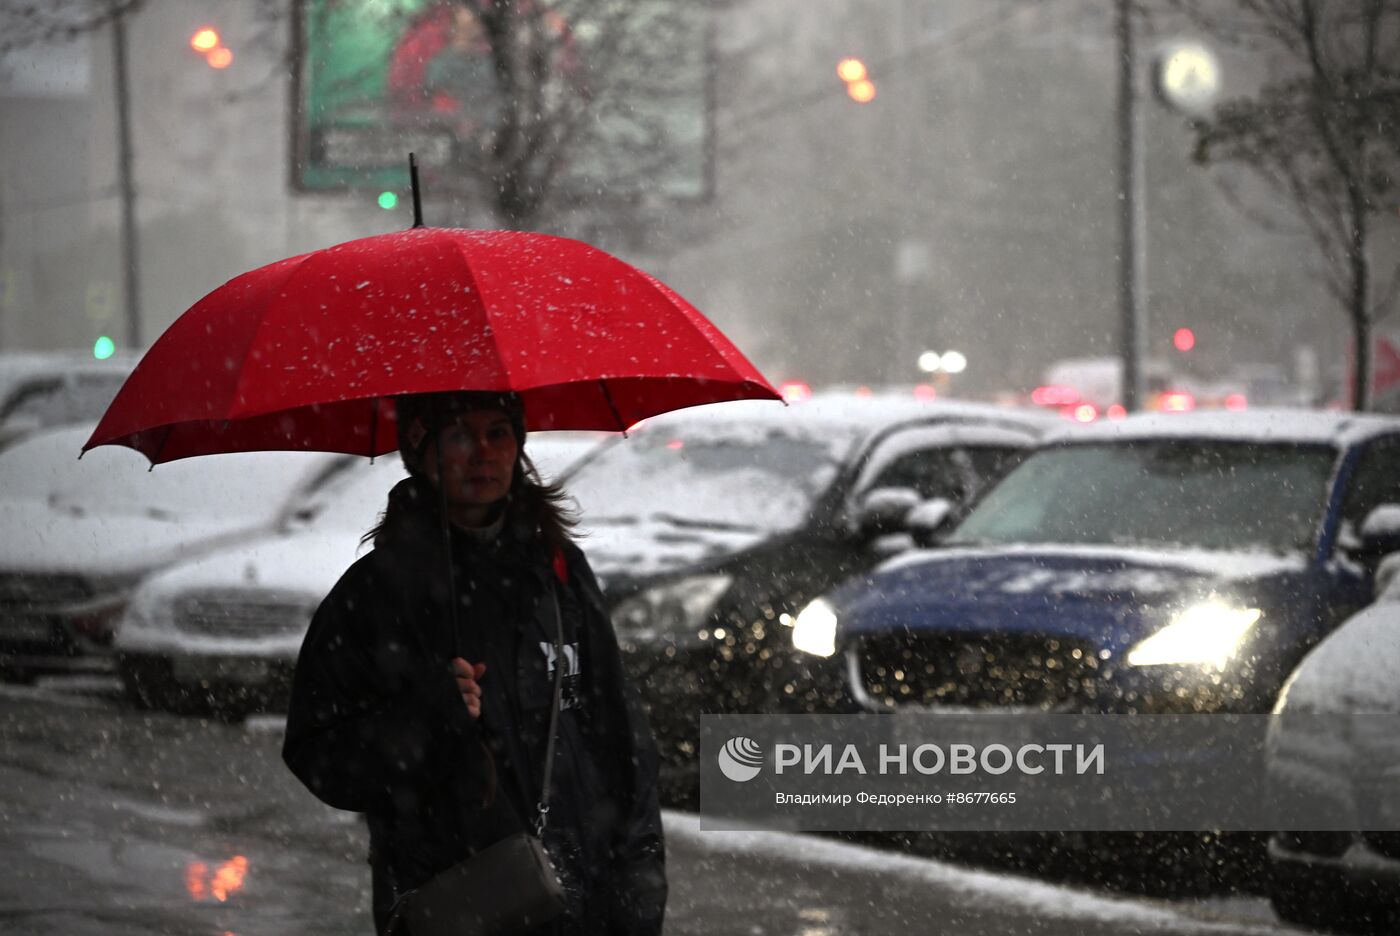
{"type": "Point", "coordinates": [509, 887]}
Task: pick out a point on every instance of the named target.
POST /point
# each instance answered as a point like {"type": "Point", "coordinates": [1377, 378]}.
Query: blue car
{"type": "Point", "coordinates": [1158, 564]}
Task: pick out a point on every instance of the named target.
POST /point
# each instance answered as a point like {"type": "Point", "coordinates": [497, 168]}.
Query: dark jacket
{"type": "Point", "coordinates": [376, 724]}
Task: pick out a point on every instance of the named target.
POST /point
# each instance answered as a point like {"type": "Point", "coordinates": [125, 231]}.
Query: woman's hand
{"type": "Point", "coordinates": [468, 683]}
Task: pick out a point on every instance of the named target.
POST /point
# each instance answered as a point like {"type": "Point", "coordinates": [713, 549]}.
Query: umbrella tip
{"type": "Point", "coordinates": [417, 197]}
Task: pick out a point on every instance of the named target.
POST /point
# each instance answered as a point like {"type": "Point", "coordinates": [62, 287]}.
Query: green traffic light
{"type": "Point", "coordinates": [104, 348]}
{"type": "Point", "coordinates": [388, 201]}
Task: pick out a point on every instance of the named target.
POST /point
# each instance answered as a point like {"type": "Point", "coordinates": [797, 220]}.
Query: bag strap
{"type": "Point", "coordinates": [542, 808]}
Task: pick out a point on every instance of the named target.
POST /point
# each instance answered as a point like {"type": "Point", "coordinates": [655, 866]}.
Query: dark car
{"type": "Point", "coordinates": [1161, 564]}
{"type": "Point", "coordinates": [710, 529]}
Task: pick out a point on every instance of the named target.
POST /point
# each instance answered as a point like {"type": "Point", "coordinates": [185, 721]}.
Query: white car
{"type": "Point", "coordinates": [39, 389]}
{"type": "Point", "coordinates": [224, 629]}
{"type": "Point", "coordinates": [1342, 877]}
{"type": "Point", "coordinates": [79, 535]}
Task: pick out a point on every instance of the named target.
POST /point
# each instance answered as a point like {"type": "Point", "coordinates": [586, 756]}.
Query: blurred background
{"type": "Point", "coordinates": [841, 185]}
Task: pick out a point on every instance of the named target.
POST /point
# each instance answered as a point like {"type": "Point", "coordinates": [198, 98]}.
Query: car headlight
{"type": "Point", "coordinates": [674, 608]}
{"type": "Point", "coordinates": [1208, 634]}
{"type": "Point", "coordinates": [814, 631]}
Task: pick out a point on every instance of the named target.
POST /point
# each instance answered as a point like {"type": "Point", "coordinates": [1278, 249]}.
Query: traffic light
{"type": "Point", "coordinates": [388, 201]}
{"type": "Point", "coordinates": [1184, 339]}
{"type": "Point", "coordinates": [103, 348]}
{"type": "Point", "coordinates": [857, 77]}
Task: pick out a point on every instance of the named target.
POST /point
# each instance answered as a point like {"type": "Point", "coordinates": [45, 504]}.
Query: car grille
{"type": "Point", "coordinates": [241, 614]}
{"type": "Point", "coordinates": [22, 592]}
{"type": "Point", "coordinates": [895, 670]}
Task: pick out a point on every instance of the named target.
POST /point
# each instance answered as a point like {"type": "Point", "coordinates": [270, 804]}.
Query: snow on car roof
{"type": "Point", "coordinates": [849, 414]}
{"type": "Point", "coordinates": [45, 468]}
{"type": "Point", "coordinates": [1321, 427]}
{"type": "Point", "coordinates": [17, 365]}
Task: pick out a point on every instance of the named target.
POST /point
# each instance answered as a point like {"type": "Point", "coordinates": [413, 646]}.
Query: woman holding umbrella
{"type": "Point", "coordinates": [425, 686]}
{"type": "Point", "coordinates": [461, 685]}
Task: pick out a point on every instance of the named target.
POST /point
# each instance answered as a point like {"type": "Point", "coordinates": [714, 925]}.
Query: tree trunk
{"type": "Point", "coordinates": [1359, 301]}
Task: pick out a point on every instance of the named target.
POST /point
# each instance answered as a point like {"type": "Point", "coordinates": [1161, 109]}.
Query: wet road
{"type": "Point", "coordinates": [121, 822]}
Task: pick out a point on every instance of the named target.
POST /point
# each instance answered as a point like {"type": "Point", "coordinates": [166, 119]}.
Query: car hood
{"type": "Point", "coordinates": [1097, 595]}
{"type": "Point", "coordinates": [306, 562]}
{"type": "Point", "coordinates": [55, 540]}
{"type": "Point", "coordinates": [642, 548]}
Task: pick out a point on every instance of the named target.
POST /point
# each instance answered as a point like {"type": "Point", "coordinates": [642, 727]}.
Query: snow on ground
{"type": "Point", "coordinates": [1004, 890]}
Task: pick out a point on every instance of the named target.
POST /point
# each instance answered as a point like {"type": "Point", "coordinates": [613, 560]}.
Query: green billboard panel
{"type": "Point", "coordinates": [595, 98]}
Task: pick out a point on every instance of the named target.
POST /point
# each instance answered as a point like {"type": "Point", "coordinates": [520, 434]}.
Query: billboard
{"type": "Point", "coordinates": [606, 97]}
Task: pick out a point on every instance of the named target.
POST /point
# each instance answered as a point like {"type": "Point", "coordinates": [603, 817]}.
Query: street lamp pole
{"type": "Point", "coordinates": [1132, 255]}
{"type": "Point", "coordinates": [131, 271]}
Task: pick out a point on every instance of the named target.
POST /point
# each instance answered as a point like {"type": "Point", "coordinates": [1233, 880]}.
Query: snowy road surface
{"type": "Point", "coordinates": [120, 822]}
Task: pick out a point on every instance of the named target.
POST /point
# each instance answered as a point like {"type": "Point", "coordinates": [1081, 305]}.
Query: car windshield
{"type": "Point", "coordinates": [719, 476]}
{"type": "Point", "coordinates": [1202, 494]}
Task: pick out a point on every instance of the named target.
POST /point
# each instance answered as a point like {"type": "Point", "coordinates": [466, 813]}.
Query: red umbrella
{"type": "Point", "coordinates": [301, 354]}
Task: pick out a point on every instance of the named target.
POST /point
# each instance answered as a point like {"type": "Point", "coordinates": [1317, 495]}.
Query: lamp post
{"type": "Point", "coordinates": [1132, 235]}
{"type": "Point", "coordinates": [1186, 78]}
{"type": "Point", "coordinates": [131, 270]}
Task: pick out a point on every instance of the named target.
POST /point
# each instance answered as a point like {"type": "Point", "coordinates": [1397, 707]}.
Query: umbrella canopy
{"type": "Point", "coordinates": [302, 354]}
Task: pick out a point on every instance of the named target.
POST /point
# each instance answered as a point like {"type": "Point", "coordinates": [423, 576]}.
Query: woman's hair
{"type": "Point", "coordinates": [546, 505]}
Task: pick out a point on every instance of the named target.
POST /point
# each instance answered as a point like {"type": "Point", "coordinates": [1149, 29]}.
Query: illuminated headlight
{"type": "Point", "coordinates": [1206, 634]}
{"type": "Point", "coordinates": [814, 631]}
{"type": "Point", "coordinates": [675, 608]}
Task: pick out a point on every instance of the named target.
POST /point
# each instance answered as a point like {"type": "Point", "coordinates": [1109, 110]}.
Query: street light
{"type": "Point", "coordinates": [851, 70]}
{"type": "Point", "coordinates": [1187, 77]}
{"type": "Point", "coordinates": [857, 77]}
{"type": "Point", "coordinates": [208, 43]}
{"type": "Point", "coordinates": [205, 40]}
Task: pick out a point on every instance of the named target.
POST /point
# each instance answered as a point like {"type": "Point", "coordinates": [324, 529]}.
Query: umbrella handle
{"type": "Point", "coordinates": [447, 556]}
{"type": "Point", "coordinates": [417, 198]}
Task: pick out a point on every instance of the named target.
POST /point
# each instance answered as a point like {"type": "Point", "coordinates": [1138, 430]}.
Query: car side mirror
{"type": "Point", "coordinates": [1380, 532]}
{"type": "Point", "coordinates": [929, 520]}
{"type": "Point", "coordinates": [884, 510]}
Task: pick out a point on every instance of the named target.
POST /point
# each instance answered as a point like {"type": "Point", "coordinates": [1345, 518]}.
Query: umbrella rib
{"type": "Point", "coordinates": [373, 428]}
{"type": "Point", "coordinates": [607, 395]}
{"type": "Point", "coordinates": [480, 293]}
{"type": "Point", "coordinates": [165, 436]}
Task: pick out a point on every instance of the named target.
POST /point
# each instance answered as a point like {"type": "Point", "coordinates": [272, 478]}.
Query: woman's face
{"type": "Point", "coordinates": [478, 458]}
